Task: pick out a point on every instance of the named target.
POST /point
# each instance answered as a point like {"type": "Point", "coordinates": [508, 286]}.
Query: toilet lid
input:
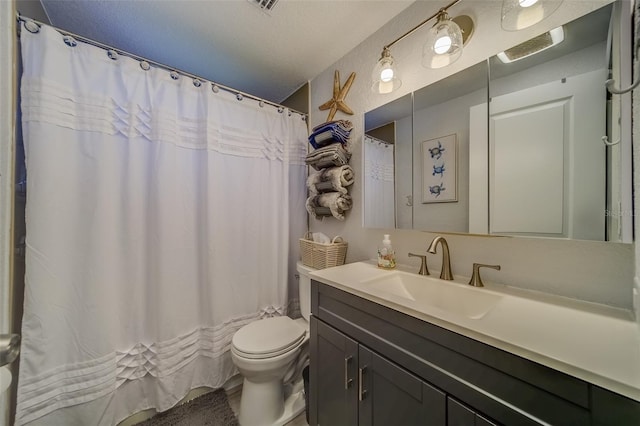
{"type": "Point", "coordinates": [268, 337]}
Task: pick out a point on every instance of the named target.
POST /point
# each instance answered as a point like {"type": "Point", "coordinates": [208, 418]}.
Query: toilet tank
{"type": "Point", "coordinates": [304, 287]}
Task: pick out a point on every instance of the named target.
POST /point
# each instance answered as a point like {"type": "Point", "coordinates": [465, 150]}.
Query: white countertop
{"type": "Point", "coordinates": [595, 343]}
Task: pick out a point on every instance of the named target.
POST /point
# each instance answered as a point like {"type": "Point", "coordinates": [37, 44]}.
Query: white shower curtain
{"type": "Point", "coordinates": [160, 219]}
{"type": "Point", "coordinates": [379, 191]}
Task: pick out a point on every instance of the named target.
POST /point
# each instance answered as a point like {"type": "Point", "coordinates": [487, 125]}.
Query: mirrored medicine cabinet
{"type": "Point", "coordinates": [512, 145]}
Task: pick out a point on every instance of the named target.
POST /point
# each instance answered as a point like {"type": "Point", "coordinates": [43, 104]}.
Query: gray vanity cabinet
{"type": "Point", "coordinates": [332, 373]}
{"type": "Point", "coordinates": [355, 386]}
{"type": "Point", "coordinates": [390, 395]}
{"type": "Point", "coordinates": [373, 365]}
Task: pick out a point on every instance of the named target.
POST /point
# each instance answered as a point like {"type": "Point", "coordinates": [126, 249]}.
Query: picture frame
{"type": "Point", "coordinates": [440, 170]}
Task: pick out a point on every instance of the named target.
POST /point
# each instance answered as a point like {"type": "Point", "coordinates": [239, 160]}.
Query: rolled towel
{"type": "Point", "coordinates": [328, 156]}
{"type": "Point", "coordinates": [336, 202]}
{"type": "Point", "coordinates": [331, 179]}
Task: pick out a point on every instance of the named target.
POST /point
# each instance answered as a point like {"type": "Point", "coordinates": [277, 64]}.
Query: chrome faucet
{"type": "Point", "coordinates": [445, 272]}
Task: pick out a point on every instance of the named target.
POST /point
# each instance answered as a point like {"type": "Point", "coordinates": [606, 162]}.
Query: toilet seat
{"type": "Point", "coordinates": [268, 338]}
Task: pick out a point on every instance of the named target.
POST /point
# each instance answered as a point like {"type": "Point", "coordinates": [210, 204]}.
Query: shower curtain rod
{"type": "Point", "coordinates": [374, 139]}
{"type": "Point", "coordinates": [89, 41]}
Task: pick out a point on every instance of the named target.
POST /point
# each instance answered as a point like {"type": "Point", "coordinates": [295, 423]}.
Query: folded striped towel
{"type": "Point", "coordinates": [328, 156]}
{"type": "Point", "coordinates": [337, 203]}
{"type": "Point", "coordinates": [330, 180]}
{"type": "Point", "coordinates": [330, 132]}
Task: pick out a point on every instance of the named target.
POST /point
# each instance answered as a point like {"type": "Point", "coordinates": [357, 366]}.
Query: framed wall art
{"type": "Point", "coordinates": [440, 170]}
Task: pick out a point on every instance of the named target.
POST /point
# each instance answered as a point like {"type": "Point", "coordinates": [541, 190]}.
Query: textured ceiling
{"type": "Point", "coordinates": [231, 42]}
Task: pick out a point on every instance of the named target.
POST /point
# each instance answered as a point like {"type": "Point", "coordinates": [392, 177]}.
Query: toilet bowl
{"type": "Point", "coordinates": [270, 353]}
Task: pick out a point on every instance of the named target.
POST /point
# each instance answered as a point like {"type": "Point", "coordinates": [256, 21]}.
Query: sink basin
{"type": "Point", "coordinates": [420, 292]}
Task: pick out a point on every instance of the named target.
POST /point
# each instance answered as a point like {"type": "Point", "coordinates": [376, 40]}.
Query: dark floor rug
{"type": "Point", "coordinates": [211, 409]}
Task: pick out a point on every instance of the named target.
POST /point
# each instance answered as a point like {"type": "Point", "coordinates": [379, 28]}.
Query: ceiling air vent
{"type": "Point", "coordinates": [266, 5]}
{"type": "Point", "coordinates": [533, 46]}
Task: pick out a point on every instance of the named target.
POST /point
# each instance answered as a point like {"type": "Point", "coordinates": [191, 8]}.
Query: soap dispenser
{"type": "Point", "coordinates": [386, 255]}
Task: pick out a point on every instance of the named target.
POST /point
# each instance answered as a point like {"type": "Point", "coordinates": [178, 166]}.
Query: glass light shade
{"type": "Point", "coordinates": [520, 14]}
{"type": "Point", "coordinates": [444, 43]}
{"type": "Point", "coordinates": [384, 76]}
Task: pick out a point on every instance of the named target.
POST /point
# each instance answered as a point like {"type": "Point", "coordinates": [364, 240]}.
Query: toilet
{"type": "Point", "coordinates": [270, 354]}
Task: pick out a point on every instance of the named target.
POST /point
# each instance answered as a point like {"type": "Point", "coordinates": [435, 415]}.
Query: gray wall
{"type": "Point", "coordinates": [32, 9]}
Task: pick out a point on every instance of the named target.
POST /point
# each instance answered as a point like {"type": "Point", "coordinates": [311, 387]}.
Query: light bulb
{"type": "Point", "coordinates": [442, 45]}
{"type": "Point", "coordinates": [386, 75]}
{"type": "Point", "coordinates": [527, 3]}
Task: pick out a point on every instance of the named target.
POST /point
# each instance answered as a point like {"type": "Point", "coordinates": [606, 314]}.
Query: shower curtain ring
{"type": "Point", "coordinates": [32, 27]}
{"type": "Point", "coordinates": [69, 41]}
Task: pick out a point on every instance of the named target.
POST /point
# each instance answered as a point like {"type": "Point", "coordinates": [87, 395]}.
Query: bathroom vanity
{"type": "Point", "coordinates": [378, 357]}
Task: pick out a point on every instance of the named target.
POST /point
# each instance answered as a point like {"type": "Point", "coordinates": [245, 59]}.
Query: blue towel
{"type": "Point", "coordinates": [330, 132]}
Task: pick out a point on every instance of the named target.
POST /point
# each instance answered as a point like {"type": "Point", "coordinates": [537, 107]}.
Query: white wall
{"type": "Point", "coordinates": [593, 271]}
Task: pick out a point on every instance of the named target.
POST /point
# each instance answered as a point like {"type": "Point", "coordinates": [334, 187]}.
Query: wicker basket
{"type": "Point", "coordinates": [320, 256]}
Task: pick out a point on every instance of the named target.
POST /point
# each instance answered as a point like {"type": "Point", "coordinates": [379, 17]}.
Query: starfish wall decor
{"type": "Point", "coordinates": [339, 93]}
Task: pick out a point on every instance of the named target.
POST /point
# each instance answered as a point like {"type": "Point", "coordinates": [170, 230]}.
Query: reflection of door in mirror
{"type": "Point", "coordinates": [550, 180]}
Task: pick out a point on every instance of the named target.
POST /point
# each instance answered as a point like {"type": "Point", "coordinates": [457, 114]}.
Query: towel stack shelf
{"type": "Point", "coordinates": [329, 182]}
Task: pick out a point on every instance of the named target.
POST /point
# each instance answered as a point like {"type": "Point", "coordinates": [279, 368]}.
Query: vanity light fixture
{"type": "Point", "coordinates": [385, 76]}
{"type": "Point", "coordinates": [443, 47]}
{"type": "Point", "coordinates": [533, 46]}
{"type": "Point", "coordinates": [520, 14]}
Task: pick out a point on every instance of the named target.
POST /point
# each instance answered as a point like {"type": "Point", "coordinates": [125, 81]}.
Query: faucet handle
{"type": "Point", "coordinates": [424, 269]}
{"type": "Point", "coordinates": [476, 280]}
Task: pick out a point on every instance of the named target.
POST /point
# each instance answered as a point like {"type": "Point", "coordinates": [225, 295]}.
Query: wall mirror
{"type": "Point", "coordinates": [513, 145]}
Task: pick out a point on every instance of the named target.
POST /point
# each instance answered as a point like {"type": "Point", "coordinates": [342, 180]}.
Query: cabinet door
{"type": "Point", "coordinates": [390, 395]}
{"type": "Point", "coordinates": [461, 415]}
{"type": "Point", "coordinates": [333, 377]}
